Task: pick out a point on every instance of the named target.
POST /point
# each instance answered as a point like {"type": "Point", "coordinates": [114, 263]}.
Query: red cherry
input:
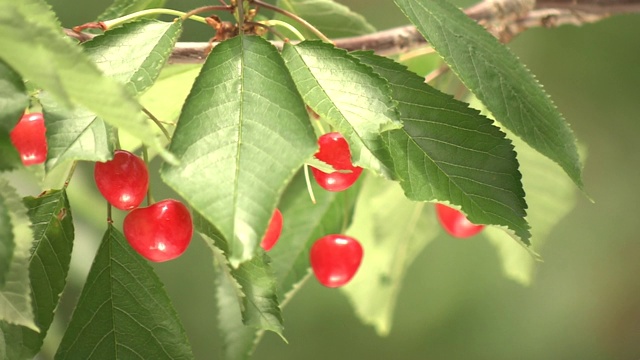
{"type": "Point", "coordinates": [455, 223]}
{"type": "Point", "coordinates": [273, 231]}
{"type": "Point", "coordinates": [334, 150]}
{"type": "Point", "coordinates": [123, 181]}
{"type": "Point", "coordinates": [159, 232]}
{"type": "Point", "coordinates": [28, 136]}
{"type": "Point", "coordinates": [335, 259]}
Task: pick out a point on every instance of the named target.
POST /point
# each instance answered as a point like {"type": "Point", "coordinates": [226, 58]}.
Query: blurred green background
{"type": "Point", "coordinates": [455, 303]}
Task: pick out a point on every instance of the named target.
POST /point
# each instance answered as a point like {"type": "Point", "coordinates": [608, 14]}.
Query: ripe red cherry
{"type": "Point", "coordinates": [334, 150]}
{"type": "Point", "coordinates": [28, 136]}
{"type": "Point", "coordinates": [455, 223]}
{"type": "Point", "coordinates": [273, 231]}
{"type": "Point", "coordinates": [335, 259]}
{"type": "Point", "coordinates": [123, 181]}
{"type": "Point", "coordinates": [159, 232]}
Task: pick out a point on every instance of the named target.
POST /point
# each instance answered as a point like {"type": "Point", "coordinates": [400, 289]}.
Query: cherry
{"type": "Point", "coordinates": [123, 181]}
{"type": "Point", "coordinates": [159, 232]}
{"type": "Point", "coordinates": [334, 150]}
{"type": "Point", "coordinates": [273, 231]}
{"type": "Point", "coordinates": [28, 136]}
{"type": "Point", "coordinates": [335, 259]}
{"type": "Point", "coordinates": [455, 223]}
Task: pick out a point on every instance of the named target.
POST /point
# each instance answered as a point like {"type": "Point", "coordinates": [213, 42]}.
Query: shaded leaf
{"type": "Point", "coordinates": [242, 134]}
{"type": "Point", "coordinates": [13, 97]}
{"type": "Point", "coordinates": [346, 94]}
{"type": "Point", "coordinates": [17, 237]}
{"type": "Point", "coordinates": [123, 311]}
{"type": "Point", "coordinates": [498, 79]}
{"type": "Point", "coordinates": [393, 231]}
{"type": "Point", "coordinates": [32, 43]}
{"type": "Point", "coordinates": [48, 268]}
{"type": "Point", "coordinates": [331, 18]}
{"type": "Point", "coordinates": [448, 152]}
{"type": "Point", "coordinates": [10, 158]}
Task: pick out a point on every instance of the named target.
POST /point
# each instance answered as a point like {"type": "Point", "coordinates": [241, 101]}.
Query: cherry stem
{"type": "Point", "coordinates": [268, 28]}
{"type": "Point", "coordinates": [308, 182]}
{"type": "Point", "coordinates": [145, 157]}
{"type": "Point", "coordinates": [109, 219]}
{"type": "Point", "coordinates": [273, 22]}
{"type": "Point", "coordinates": [191, 14]}
{"type": "Point", "coordinates": [108, 24]}
{"type": "Point", "coordinates": [157, 122]}
{"type": "Point", "coordinates": [240, 16]}
{"type": "Point", "coordinates": [295, 17]}
{"type": "Point", "coordinates": [436, 73]}
{"type": "Point", "coordinates": [71, 171]}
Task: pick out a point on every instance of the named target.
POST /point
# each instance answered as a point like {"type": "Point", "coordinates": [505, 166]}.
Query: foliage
{"type": "Point", "coordinates": [235, 136]}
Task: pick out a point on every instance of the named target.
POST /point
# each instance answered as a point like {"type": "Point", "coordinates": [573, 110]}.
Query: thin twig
{"type": "Point", "coordinates": [157, 122]}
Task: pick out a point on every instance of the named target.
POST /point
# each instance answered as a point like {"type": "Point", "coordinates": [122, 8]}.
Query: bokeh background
{"type": "Point", "coordinates": [455, 302]}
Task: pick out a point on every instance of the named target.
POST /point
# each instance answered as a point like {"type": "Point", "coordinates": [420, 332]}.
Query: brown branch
{"type": "Point", "coordinates": [503, 18]}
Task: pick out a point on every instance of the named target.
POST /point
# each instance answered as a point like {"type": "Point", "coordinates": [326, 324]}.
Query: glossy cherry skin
{"type": "Point", "coordinates": [123, 181]}
{"type": "Point", "coordinates": [335, 259]}
{"type": "Point", "coordinates": [334, 150]}
{"type": "Point", "coordinates": [455, 223]}
{"type": "Point", "coordinates": [273, 231]}
{"type": "Point", "coordinates": [28, 136]}
{"type": "Point", "coordinates": [159, 232]}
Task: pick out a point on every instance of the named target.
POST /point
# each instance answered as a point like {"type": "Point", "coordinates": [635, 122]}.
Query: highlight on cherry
{"type": "Point", "coordinates": [29, 138]}
{"type": "Point", "coordinates": [335, 259]}
{"type": "Point", "coordinates": [334, 150]}
{"type": "Point", "coordinates": [123, 180]}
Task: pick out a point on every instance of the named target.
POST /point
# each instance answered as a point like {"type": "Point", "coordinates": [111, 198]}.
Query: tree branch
{"type": "Point", "coordinates": [503, 18]}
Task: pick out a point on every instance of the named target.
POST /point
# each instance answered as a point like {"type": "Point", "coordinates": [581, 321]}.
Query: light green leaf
{"type": "Point", "coordinates": [498, 79]}
{"type": "Point", "coordinates": [48, 268]}
{"type": "Point", "coordinates": [331, 18]}
{"type": "Point", "coordinates": [15, 297]}
{"type": "Point", "coordinates": [13, 97]}
{"type": "Point", "coordinates": [32, 43]}
{"type": "Point", "coordinates": [242, 135]}
{"type": "Point", "coordinates": [346, 94]}
{"type": "Point", "coordinates": [450, 153]}
{"type": "Point", "coordinates": [135, 53]}
{"type": "Point", "coordinates": [123, 311]}
{"type": "Point", "coordinates": [124, 7]}
{"type": "Point", "coordinates": [393, 231]}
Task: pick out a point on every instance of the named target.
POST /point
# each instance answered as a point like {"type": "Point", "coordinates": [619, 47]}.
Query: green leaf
{"type": "Point", "coordinates": [76, 134]}
{"type": "Point", "coordinates": [331, 18]}
{"type": "Point", "coordinates": [498, 79]}
{"type": "Point", "coordinates": [135, 53]}
{"type": "Point", "coordinates": [450, 153]}
{"type": "Point", "coordinates": [48, 268]}
{"type": "Point", "coordinates": [17, 237]}
{"type": "Point", "coordinates": [243, 133]}
{"type": "Point", "coordinates": [125, 7]}
{"type": "Point", "coordinates": [13, 97]}
{"type": "Point", "coordinates": [10, 158]}
{"type": "Point", "coordinates": [123, 311]}
{"type": "Point", "coordinates": [32, 43]}
{"type": "Point", "coordinates": [254, 281]}
{"type": "Point", "coordinates": [393, 231]}
{"type": "Point", "coordinates": [346, 94]}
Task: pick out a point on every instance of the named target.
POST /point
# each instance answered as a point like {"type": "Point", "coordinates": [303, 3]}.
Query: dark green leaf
{"type": "Point", "coordinates": [135, 53]}
{"type": "Point", "coordinates": [242, 135]}
{"type": "Point", "coordinates": [123, 311]}
{"type": "Point", "coordinates": [449, 152]}
{"type": "Point", "coordinates": [48, 268]}
{"type": "Point", "coordinates": [498, 79]}
{"type": "Point", "coordinates": [32, 43]}
{"type": "Point", "coordinates": [13, 97]}
{"type": "Point", "coordinates": [346, 94]}
{"type": "Point", "coordinates": [124, 7]}
{"type": "Point", "coordinates": [254, 282]}
{"type": "Point", "coordinates": [393, 231]}
{"type": "Point", "coordinates": [15, 297]}
{"type": "Point", "coordinates": [10, 158]}
{"type": "Point", "coordinates": [331, 18]}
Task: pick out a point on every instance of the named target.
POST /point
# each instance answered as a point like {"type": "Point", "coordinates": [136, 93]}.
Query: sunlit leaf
{"type": "Point", "coordinates": [449, 152]}
{"type": "Point", "coordinates": [48, 268]}
{"type": "Point", "coordinates": [393, 231]}
{"type": "Point", "coordinates": [498, 79]}
{"type": "Point", "coordinates": [242, 134]}
{"type": "Point", "coordinates": [123, 311]}
{"type": "Point", "coordinates": [17, 238]}
{"type": "Point", "coordinates": [13, 97]}
{"type": "Point", "coordinates": [347, 95]}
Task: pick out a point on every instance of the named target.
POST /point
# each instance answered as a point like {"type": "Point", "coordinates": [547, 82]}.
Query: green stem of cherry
{"type": "Point", "coordinates": [308, 182]}
{"type": "Point", "coordinates": [295, 17]}
{"type": "Point", "coordinates": [70, 175]}
{"type": "Point", "coordinates": [157, 122]}
{"type": "Point", "coordinates": [108, 24]}
{"type": "Point", "coordinates": [286, 25]}
{"type": "Point", "coordinates": [145, 157]}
